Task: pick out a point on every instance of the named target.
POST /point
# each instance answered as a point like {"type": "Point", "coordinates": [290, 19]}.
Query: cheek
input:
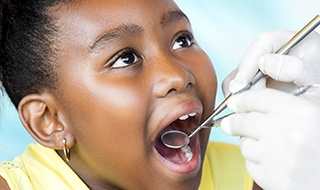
{"type": "Point", "coordinates": [206, 81]}
{"type": "Point", "coordinates": [206, 84]}
{"type": "Point", "coordinates": [108, 124]}
{"type": "Point", "coordinates": [105, 115]}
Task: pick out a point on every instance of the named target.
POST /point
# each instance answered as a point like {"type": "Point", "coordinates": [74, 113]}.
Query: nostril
{"type": "Point", "coordinates": [171, 90]}
{"type": "Point", "coordinates": [180, 90]}
{"type": "Point", "coordinates": [189, 85]}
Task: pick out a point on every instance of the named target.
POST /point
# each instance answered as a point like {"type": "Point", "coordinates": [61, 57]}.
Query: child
{"type": "Point", "coordinates": [96, 83]}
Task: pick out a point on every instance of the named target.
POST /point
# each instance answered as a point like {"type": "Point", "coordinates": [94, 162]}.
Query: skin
{"type": "Point", "coordinates": [3, 184]}
{"type": "Point", "coordinates": [111, 112]}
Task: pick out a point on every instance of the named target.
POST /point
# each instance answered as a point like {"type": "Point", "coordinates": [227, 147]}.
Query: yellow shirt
{"type": "Point", "coordinates": [224, 169]}
{"type": "Point", "coordinates": [41, 168]}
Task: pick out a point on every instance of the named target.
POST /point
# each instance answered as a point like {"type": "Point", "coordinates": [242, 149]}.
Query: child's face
{"type": "Point", "coordinates": [127, 71]}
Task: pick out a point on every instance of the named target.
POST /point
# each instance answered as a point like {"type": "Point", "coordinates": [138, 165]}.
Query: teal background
{"type": "Point", "coordinates": [224, 28]}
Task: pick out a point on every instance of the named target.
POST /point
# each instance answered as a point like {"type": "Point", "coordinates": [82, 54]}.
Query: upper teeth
{"type": "Point", "coordinates": [184, 117]}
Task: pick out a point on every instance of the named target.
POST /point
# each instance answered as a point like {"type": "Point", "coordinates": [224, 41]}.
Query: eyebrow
{"type": "Point", "coordinates": [125, 30]}
{"type": "Point", "coordinates": [172, 16]}
{"type": "Point", "coordinates": [116, 34]}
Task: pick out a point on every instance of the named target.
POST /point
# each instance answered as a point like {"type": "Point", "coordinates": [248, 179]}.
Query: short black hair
{"type": "Point", "coordinates": [28, 33]}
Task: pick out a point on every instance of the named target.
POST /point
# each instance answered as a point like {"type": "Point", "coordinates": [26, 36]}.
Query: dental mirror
{"type": "Point", "coordinates": [177, 139]}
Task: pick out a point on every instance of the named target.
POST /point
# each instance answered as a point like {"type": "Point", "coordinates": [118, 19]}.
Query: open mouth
{"type": "Point", "coordinates": [186, 124]}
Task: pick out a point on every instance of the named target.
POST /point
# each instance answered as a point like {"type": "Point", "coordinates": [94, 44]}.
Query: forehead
{"type": "Point", "coordinates": [82, 20]}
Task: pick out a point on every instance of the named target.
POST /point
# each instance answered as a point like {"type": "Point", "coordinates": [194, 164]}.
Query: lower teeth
{"type": "Point", "coordinates": [187, 152]}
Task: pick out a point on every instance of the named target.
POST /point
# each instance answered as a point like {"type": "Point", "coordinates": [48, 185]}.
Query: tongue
{"type": "Point", "coordinates": [176, 156]}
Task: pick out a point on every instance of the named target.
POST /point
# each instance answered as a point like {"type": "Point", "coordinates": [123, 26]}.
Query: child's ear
{"type": "Point", "coordinates": [39, 115]}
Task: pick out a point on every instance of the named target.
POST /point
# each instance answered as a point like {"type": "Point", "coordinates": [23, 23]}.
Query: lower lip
{"type": "Point", "coordinates": [193, 166]}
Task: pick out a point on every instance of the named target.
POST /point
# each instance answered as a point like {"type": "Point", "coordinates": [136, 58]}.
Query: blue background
{"type": "Point", "coordinates": [224, 28]}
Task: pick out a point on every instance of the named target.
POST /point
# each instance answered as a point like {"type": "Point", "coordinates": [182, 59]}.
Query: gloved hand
{"type": "Point", "coordinates": [280, 138]}
{"type": "Point", "coordinates": [300, 67]}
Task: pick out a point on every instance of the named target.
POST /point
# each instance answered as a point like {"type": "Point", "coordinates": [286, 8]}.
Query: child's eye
{"type": "Point", "coordinates": [125, 58]}
{"type": "Point", "coordinates": [184, 40]}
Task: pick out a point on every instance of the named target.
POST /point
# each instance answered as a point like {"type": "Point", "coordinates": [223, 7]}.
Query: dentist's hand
{"type": "Point", "coordinates": [280, 138]}
{"type": "Point", "coordinates": [300, 67]}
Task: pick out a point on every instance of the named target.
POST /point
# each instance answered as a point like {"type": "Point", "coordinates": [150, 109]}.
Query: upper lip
{"type": "Point", "coordinates": [173, 114]}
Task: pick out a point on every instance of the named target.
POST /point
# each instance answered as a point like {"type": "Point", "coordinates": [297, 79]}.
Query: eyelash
{"type": "Point", "coordinates": [185, 34]}
{"type": "Point", "coordinates": [124, 54]}
{"type": "Point", "coordinates": [137, 57]}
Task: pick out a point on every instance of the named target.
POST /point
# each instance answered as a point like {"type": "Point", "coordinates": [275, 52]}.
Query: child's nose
{"type": "Point", "coordinates": [172, 76]}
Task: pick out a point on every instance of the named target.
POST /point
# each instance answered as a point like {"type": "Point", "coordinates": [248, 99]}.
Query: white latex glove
{"type": "Point", "coordinates": [300, 67]}
{"type": "Point", "coordinates": [280, 138]}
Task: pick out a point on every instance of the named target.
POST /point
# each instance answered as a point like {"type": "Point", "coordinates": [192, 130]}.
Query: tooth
{"type": "Point", "coordinates": [192, 114]}
{"type": "Point", "coordinates": [186, 149]}
{"type": "Point", "coordinates": [187, 152]}
{"type": "Point", "coordinates": [188, 156]}
{"type": "Point", "coordinates": [184, 117]}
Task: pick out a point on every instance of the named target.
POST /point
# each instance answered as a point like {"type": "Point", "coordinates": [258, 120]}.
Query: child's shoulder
{"type": "Point", "coordinates": [39, 168]}
{"type": "Point", "coordinates": [11, 171]}
{"type": "Point", "coordinates": [223, 155]}
{"type": "Point", "coordinates": [222, 149]}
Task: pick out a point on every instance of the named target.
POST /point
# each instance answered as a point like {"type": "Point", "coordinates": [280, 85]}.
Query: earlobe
{"type": "Point", "coordinates": [38, 114]}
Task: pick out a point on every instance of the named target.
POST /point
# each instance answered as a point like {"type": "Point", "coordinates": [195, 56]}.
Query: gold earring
{"type": "Point", "coordinates": [66, 150]}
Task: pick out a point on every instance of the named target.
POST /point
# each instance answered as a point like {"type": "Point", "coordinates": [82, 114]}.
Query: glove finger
{"type": "Point", "coordinates": [286, 68]}
{"type": "Point", "coordinates": [250, 149]}
{"type": "Point", "coordinates": [258, 174]}
{"type": "Point", "coordinates": [263, 101]}
{"type": "Point", "coordinates": [308, 49]}
{"type": "Point", "coordinates": [244, 124]}
{"type": "Point", "coordinates": [266, 43]}
{"type": "Point", "coordinates": [310, 54]}
{"type": "Point", "coordinates": [226, 82]}
{"type": "Point", "coordinates": [282, 68]}
{"type": "Point", "coordinates": [313, 94]}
